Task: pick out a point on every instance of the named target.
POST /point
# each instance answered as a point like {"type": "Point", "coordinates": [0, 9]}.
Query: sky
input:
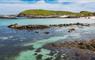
{"type": "Point", "coordinates": [11, 7]}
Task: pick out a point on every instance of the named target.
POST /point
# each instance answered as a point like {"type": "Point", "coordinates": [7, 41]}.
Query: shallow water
{"type": "Point", "coordinates": [20, 42]}
{"type": "Point", "coordinates": [43, 21]}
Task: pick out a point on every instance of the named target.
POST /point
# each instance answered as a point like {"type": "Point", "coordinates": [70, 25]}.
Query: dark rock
{"type": "Point", "coordinates": [35, 53]}
{"type": "Point", "coordinates": [93, 58]}
{"type": "Point", "coordinates": [39, 57]}
{"type": "Point", "coordinates": [46, 32]}
{"type": "Point", "coordinates": [36, 32]}
{"type": "Point", "coordinates": [38, 50]}
{"type": "Point", "coordinates": [49, 58]}
{"type": "Point", "coordinates": [71, 30]}
{"type": "Point", "coordinates": [28, 27]}
{"type": "Point", "coordinates": [52, 53]}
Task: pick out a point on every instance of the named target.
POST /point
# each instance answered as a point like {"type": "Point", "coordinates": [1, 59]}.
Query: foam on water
{"type": "Point", "coordinates": [29, 55]}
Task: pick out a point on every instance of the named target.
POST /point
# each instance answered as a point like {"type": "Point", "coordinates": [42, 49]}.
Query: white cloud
{"type": "Point", "coordinates": [60, 1]}
{"type": "Point", "coordinates": [17, 8]}
{"type": "Point", "coordinates": [83, 1]}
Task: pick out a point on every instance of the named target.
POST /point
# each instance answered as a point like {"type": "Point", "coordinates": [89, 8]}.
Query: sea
{"type": "Point", "coordinates": [21, 44]}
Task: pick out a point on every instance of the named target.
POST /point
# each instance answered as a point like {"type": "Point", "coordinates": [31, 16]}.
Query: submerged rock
{"type": "Point", "coordinates": [46, 32]}
{"type": "Point", "coordinates": [39, 57]}
{"type": "Point", "coordinates": [49, 58]}
{"type": "Point", "coordinates": [38, 50]}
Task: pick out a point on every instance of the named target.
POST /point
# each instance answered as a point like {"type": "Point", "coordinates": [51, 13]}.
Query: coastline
{"type": "Point", "coordinates": [47, 18]}
{"type": "Point", "coordinates": [73, 30]}
{"type": "Point", "coordinates": [35, 27]}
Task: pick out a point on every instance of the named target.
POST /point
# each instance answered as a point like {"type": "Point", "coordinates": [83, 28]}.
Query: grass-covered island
{"type": "Point", "coordinates": [50, 14]}
{"type": "Point", "coordinates": [54, 14]}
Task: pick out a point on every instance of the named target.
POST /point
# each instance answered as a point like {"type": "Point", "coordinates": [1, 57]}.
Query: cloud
{"type": "Point", "coordinates": [83, 1]}
{"type": "Point", "coordinates": [47, 1]}
{"type": "Point", "coordinates": [67, 5]}
{"type": "Point", "coordinates": [17, 8]}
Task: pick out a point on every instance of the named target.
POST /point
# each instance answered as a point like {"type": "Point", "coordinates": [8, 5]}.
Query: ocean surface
{"type": "Point", "coordinates": [18, 44]}
{"type": "Point", "coordinates": [4, 22]}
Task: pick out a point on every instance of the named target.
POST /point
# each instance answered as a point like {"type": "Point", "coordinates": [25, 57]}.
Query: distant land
{"type": "Point", "coordinates": [50, 14]}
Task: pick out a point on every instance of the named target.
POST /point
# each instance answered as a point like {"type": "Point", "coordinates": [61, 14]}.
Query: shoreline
{"type": "Point", "coordinates": [35, 27]}
{"type": "Point", "coordinates": [46, 18]}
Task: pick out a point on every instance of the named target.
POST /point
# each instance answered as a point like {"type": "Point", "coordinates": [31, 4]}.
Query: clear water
{"type": "Point", "coordinates": [23, 36]}
{"type": "Point", "coordinates": [11, 41]}
{"type": "Point", "coordinates": [4, 22]}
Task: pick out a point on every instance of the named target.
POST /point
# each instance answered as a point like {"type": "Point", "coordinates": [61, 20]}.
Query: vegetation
{"type": "Point", "coordinates": [40, 12]}
{"type": "Point", "coordinates": [44, 12]}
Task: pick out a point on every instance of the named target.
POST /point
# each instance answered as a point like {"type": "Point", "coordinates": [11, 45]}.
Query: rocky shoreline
{"type": "Point", "coordinates": [72, 50]}
{"type": "Point", "coordinates": [68, 50]}
{"type": "Point", "coordinates": [82, 44]}
{"type": "Point", "coordinates": [34, 27]}
{"type": "Point", "coordinates": [27, 27]}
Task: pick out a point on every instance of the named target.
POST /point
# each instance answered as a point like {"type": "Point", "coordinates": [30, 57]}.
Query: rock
{"type": "Point", "coordinates": [35, 27]}
{"type": "Point", "coordinates": [46, 32]}
{"type": "Point", "coordinates": [39, 57]}
{"type": "Point", "coordinates": [13, 25]}
{"type": "Point", "coordinates": [71, 30]}
{"type": "Point", "coordinates": [52, 53]}
{"type": "Point", "coordinates": [38, 50]}
{"type": "Point", "coordinates": [93, 58]}
{"type": "Point", "coordinates": [28, 27]}
{"type": "Point", "coordinates": [49, 58]}
{"type": "Point", "coordinates": [35, 54]}
{"type": "Point", "coordinates": [36, 32]}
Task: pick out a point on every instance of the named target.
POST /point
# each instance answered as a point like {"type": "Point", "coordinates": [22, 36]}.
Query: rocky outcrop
{"type": "Point", "coordinates": [33, 27]}
{"type": "Point", "coordinates": [72, 50]}
{"type": "Point", "coordinates": [86, 45]}
{"type": "Point", "coordinates": [28, 27]}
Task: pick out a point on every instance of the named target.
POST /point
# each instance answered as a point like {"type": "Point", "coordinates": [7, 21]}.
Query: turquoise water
{"type": "Point", "coordinates": [29, 55]}
{"type": "Point", "coordinates": [11, 39]}
{"type": "Point", "coordinates": [4, 22]}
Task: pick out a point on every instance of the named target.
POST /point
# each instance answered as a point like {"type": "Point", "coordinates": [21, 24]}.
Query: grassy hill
{"type": "Point", "coordinates": [52, 13]}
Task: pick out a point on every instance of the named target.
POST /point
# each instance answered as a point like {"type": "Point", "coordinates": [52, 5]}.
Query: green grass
{"type": "Point", "coordinates": [40, 12]}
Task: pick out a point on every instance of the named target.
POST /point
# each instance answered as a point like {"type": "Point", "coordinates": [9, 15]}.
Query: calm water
{"type": "Point", "coordinates": [4, 22]}
{"type": "Point", "coordinates": [23, 36]}
{"type": "Point", "coordinates": [12, 42]}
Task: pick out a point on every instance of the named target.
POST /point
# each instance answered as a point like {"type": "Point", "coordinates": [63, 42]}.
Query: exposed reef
{"type": "Point", "coordinates": [34, 27]}
{"type": "Point", "coordinates": [72, 50]}
{"type": "Point", "coordinates": [27, 27]}
{"type": "Point", "coordinates": [86, 44]}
